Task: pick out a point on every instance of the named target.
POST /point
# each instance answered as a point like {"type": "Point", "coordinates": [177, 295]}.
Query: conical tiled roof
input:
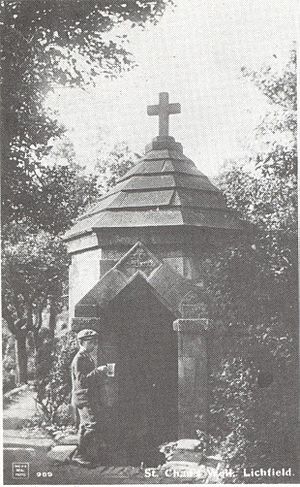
{"type": "Point", "coordinates": [164, 189]}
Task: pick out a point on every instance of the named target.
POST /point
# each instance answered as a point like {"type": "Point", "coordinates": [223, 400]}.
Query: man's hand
{"type": "Point", "coordinates": [102, 368]}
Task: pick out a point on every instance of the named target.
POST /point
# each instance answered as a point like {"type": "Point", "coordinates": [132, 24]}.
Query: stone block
{"type": "Point", "coordinates": [86, 242]}
{"type": "Point", "coordinates": [162, 143]}
{"type": "Point", "coordinates": [186, 374]}
{"type": "Point", "coordinates": [194, 345]}
{"type": "Point", "coordinates": [61, 453]}
{"type": "Point", "coordinates": [187, 456]}
{"type": "Point", "coordinates": [84, 273]}
{"type": "Point", "coordinates": [191, 325]}
{"type": "Point", "coordinates": [68, 440]}
{"type": "Point", "coordinates": [187, 444]}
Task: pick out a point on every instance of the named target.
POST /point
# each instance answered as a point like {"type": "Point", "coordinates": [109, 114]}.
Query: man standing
{"type": "Point", "coordinates": [84, 397]}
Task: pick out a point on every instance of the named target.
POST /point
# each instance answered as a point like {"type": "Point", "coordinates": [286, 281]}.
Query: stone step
{"type": "Point", "coordinates": [61, 453]}
{"type": "Point", "coordinates": [67, 440]}
{"type": "Point", "coordinates": [187, 444]}
{"type": "Point", "coordinates": [187, 456]}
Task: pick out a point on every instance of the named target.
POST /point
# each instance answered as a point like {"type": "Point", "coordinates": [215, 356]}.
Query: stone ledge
{"type": "Point", "coordinates": [161, 143]}
{"type": "Point", "coordinates": [190, 325]}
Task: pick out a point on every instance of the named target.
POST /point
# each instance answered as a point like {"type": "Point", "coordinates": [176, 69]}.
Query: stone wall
{"type": "Point", "coordinates": [94, 255]}
{"type": "Point", "coordinates": [84, 273]}
{"type": "Point", "coordinates": [192, 376]}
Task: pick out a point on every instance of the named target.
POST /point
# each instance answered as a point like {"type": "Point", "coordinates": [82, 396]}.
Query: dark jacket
{"type": "Point", "coordinates": [84, 380]}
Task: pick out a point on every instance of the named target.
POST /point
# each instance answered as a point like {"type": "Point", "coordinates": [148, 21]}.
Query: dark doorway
{"type": "Point", "coordinates": [147, 370]}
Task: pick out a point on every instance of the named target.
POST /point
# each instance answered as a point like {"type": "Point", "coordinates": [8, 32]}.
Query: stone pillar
{"type": "Point", "coordinates": [192, 376]}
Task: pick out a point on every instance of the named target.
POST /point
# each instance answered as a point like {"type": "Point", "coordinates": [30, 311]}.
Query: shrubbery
{"type": "Point", "coordinates": [54, 378]}
{"type": "Point", "coordinates": [254, 301]}
{"type": "Point", "coordinates": [253, 410]}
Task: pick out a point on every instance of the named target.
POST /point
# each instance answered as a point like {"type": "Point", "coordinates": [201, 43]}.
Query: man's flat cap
{"type": "Point", "coordinates": [87, 335]}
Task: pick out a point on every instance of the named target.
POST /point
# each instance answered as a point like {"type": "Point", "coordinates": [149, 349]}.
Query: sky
{"type": "Point", "coordinates": [195, 53]}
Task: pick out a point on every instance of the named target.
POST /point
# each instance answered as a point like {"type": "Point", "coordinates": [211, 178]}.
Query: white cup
{"type": "Point", "coordinates": [110, 370]}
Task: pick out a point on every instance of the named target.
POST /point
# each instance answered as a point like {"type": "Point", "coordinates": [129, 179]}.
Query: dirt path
{"type": "Point", "coordinates": [21, 407]}
{"type": "Point", "coordinates": [23, 447]}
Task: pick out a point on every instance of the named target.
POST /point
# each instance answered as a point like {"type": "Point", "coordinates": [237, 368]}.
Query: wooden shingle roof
{"type": "Point", "coordinates": [164, 189]}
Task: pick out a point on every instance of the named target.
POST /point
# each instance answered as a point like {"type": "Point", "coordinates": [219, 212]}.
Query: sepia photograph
{"type": "Point", "coordinates": [150, 306]}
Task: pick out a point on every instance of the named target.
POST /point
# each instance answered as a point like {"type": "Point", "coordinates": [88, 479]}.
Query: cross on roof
{"type": "Point", "coordinates": [163, 110]}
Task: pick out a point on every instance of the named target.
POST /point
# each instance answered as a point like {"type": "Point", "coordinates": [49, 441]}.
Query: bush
{"type": "Point", "coordinates": [8, 379]}
{"type": "Point", "coordinates": [253, 359]}
{"type": "Point", "coordinates": [54, 379]}
{"type": "Point", "coordinates": [8, 364]}
{"type": "Point", "coordinates": [253, 409]}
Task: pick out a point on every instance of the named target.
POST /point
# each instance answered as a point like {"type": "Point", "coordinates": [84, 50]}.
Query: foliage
{"type": "Point", "coordinates": [34, 268]}
{"type": "Point", "coordinates": [253, 284]}
{"type": "Point", "coordinates": [46, 43]}
{"type": "Point", "coordinates": [34, 265]}
{"type": "Point", "coordinates": [54, 379]}
{"type": "Point", "coordinates": [8, 364]}
{"type": "Point", "coordinates": [63, 192]}
{"type": "Point", "coordinates": [268, 195]}
{"type": "Point", "coordinates": [113, 166]}
{"type": "Point", "coordinates": [34, 258]}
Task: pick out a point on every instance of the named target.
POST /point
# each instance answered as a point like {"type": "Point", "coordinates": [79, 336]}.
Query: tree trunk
{"type": "Point", "coordinates": [21, 359]}
{"type": "Point", "coordinates": [52, 316]}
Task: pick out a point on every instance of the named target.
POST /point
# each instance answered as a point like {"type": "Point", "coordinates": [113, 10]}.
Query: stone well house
{"type": "Point", "coordinates": [135, 278]}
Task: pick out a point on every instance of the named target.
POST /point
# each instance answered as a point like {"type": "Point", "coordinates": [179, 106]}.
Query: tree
{"type": "Point", "coordinates": [112, 166]}
{"type": "Point", "coordinates": [34, 268]}
{"type": "Point", "coordinates": [267, 196]}
{"type": "Point", "coordinates": [34, 258]}
{"type": "Point", "coordinates": [54, 378]}
{"type": "Point", "coordinates": [47, 42]}
{"type": "Point", "coordinates": [63, 193]}
{"type": "Point", "coordinates": [254, 288]}
{"type": "Point", "coordinates": [53, 364]}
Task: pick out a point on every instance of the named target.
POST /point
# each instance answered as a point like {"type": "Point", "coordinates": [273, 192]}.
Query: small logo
{"type": "Point", "coordinates": [20, 471]}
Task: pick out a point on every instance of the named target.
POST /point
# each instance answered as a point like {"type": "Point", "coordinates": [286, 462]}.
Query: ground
{"type": "Point", "coordinates": [24, 446]}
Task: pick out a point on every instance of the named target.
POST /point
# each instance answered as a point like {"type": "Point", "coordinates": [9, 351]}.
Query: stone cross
{"type": "Point", "coordinates": [163, 110]}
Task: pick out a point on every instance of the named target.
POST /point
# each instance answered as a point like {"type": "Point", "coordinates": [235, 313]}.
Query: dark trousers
{"type": "Point", "coordinates": [88, 445]}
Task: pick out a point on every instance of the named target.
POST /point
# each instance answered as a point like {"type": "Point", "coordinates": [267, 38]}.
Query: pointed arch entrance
{"type": "Point", "coordinates": [144, 344]}
{"type": "Point", "coordinates": [146, 315]}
